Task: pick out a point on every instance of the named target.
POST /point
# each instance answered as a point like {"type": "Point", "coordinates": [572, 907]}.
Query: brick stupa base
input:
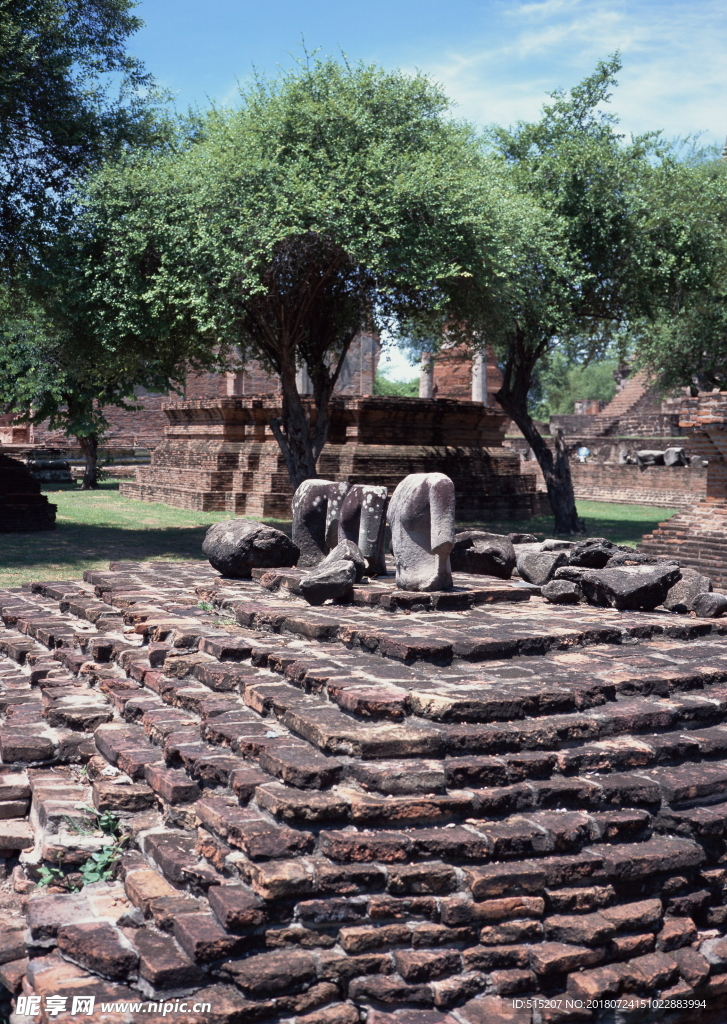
{"type": "Point", "coordinates": [698, 535]}
{"type": "Point", "coordinates": [23, 509]}
{"type": "Point", "coordinates": [221, 455]}
{"type": "Point", "coordinates": [349, 815]}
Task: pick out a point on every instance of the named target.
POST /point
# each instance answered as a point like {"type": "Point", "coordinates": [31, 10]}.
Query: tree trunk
{"type": "Point", "coordinates": [89, 446]}
{"type": "Point", "coordinates": [556, 469]}
{"type": "Point", "coordinates": [292, 431]}
{"type": "Point", "coordinates": [300, 444]}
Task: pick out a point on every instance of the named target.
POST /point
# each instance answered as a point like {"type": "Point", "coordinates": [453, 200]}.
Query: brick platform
{"type": "Point", "coordinates": [23, 509]}
{"type": "Point", "coordinates": [697, 536]}
{"type": "Point", "coordinates": [349, 814]}
{"type": "Point", "coordinates": [222, 455]}
{"type": "Point", "coordinates": [665, 486]}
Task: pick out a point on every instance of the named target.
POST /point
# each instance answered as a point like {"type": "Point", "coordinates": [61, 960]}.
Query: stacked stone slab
{"type": "Point", "coordinates": [338, 816]}
{"type": "Point", "coordinates": [698, 535]}
{"type": "Point", "coordinates": [23, 509]}
{"type": "Point", "coordinates": [222, 456]}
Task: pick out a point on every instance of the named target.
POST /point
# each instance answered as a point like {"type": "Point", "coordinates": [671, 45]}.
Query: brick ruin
{"type": "Point", "coordinates": [697, 535]}
{"type": "Point", "coordinates": [637, 418]}
{"type": "Point", "coordinates": [23, 509]}
{"type": "Point", "coordinates": [144, 427]}
{"type": "Point", "coordinates": [222, 456]}
{"type": "Point", "coordinates": [394, 811]}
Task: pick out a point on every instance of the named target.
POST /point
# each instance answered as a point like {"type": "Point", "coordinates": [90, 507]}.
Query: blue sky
{"type": "Point", "coordinates": [495, 59]}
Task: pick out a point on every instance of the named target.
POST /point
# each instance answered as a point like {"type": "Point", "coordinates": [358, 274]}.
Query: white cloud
{"type": "Point", "coordinates": [674, 75]}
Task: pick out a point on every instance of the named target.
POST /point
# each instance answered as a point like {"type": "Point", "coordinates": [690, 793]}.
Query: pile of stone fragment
{"type": "Point", "coordinates": [339, 535]}
{"type": "Point", "coordinates": [602, 573]}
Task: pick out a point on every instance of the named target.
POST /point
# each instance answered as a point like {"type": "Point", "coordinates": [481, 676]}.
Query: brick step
{"type": "Point", "coordinates": [206, 480]}
{"type": "Point", "coordinates": [198, 501]}
{"type": "Point", "coordinates": [314, 826]}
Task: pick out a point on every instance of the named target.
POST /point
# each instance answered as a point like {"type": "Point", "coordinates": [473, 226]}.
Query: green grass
{"type": "Point", "coordinates": [98, 527]}
{"type": "Point", "coordinates": [623, 524]}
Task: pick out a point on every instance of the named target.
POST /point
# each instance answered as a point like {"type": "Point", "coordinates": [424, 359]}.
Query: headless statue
{"type": "Point", "coordinates": [421, 514]}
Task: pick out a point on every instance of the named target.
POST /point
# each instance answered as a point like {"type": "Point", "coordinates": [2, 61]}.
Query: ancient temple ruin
{"type": "Point", "coordinates": [698, 535]}
{"type": "Point", "coordinates": [23, 509]}
{"type": "Point", "coordinates": [221, 455]}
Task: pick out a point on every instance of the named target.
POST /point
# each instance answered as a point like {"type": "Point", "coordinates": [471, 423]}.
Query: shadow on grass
{"type": "Point", "coordinates": [77, 547]}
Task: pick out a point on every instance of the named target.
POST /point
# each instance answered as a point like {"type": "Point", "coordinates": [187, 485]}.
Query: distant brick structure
{"type": "Point", "coordinates": [220, 455]}
{"type": "Point", "coordinates": [23, 509]}
{"type": "Point", "coordinates": [140, 428]}
{"type": "Point", "coordinates": [665, 486]}
{"type": "Point", "coordinates": [452, 374]}
{"type": "Point", "coordinates": [698, 536]}
{"type": "Point", "coordinates": [144, 427]}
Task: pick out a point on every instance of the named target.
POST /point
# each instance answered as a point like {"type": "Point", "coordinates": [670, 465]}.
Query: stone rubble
{"type": "Point", "coordinates": [408, 810]}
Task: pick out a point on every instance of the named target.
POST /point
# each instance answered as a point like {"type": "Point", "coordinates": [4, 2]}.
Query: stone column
{"type": "Point", "coordinates": [303, 381]}
{"type": "Point", "coordinates": [479, 377]}
{"type": "Point", "coordinates": [426, 376]}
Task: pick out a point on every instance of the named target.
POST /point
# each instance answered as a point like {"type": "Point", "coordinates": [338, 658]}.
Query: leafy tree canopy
{"type": "Point", "coordinates": [396, 388]}
{"type": "Point", "coordinates": [559, 384]}
{"type": "Point", "coordinates": [686, 343]}
{"type": "Point", "coordinates": [70, 96]}
{"type": "Point", "coordinates": [334, 198]}
{"type": "Point", "coordinates": [614, 251]}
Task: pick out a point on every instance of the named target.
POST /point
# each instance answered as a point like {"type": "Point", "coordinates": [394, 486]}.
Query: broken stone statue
{"type": "Point", "coordinates": [363, 521]}
{"type": "Point", "coordinates": [421, 514]}
{"type": "Point", "coordinates": [485, 554]}
{"type": "Point", "coordinates": [236, 546]}
{"type": "Point", "coordinates": [316, 511]}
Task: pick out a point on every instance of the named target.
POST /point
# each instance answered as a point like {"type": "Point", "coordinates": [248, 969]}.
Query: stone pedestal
{"type": "Point", "coordinates": [698, 535]}
{"type": "Point", "coordinates": [23, 509]}
{"type": "Point", "coordinates": [221, 455]}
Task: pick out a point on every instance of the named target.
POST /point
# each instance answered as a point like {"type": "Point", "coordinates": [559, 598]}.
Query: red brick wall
{"type": "Point", "coordinates": [665, 486]}
{"type": "Point", "coordinates": [453, 374]}
{"type": "Point", "coordinates": [356, 378]}
{"type": "Point", "coordinates": [145, 428]}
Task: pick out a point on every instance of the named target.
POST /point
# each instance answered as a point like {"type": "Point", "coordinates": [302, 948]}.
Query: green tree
{"type": "Point", "coordinates": [598, 195]}
{"type": "Point", "coordinates": [559, 384]}
{"type": "Point", "coordinates": [70, 96]}
{"type": "Point", "coordinates": [397, 388]}
{"type": "Point", "coordinates": [56, 367]}
{"type": "Point", "coordinates": [686, 344]}
{"type": "Point", "coordinates": [333, 199]}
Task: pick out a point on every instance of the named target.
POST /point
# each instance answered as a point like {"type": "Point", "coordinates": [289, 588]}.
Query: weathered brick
{"type": "Point", "coordinates": [640, 916]}
{"type": "Point", "coordinates": [676, 932]}
{"type": "Point", "coordinates": [649, 973]}
{"type": "Point", "coordinates": [99, 947]}
{"type": "Point", "coordinates": [638, 860]}
{"type": "Point", "coordinates": [171, 785]}
{"type": "Point", "coordinates": [364, 938]}
{"type": "Point", "coordinates": [559, 958]}
{"type": "Point", "coordinates": [162, 963]}
{"type": "Point", "coordinates": [387, 847]}
{"type": "Point", "coordinates": [124, 796]}
{"type": "Point", "coordinates": [601, 983]}
{"type": "Point", "coordinates": [579, 929]}
{"type": "Point", "coordinates": [511, 931]}
{"type": "Point", "coordinates": [299, 765]}
{"type": "Point", "coordinates": [202, 938]}
{"type": "Point", "coordinates": [270, 974]}
{"type": "Point", "coordinates": [234, 907]}
{"type": "Point", "coordinates": [455, 910]}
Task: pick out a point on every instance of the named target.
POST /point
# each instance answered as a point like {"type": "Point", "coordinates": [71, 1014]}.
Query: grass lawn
{"type": "Point", "coordinates": [96, 527]}
{"type": "Point", "coordinates": [623, 524]}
